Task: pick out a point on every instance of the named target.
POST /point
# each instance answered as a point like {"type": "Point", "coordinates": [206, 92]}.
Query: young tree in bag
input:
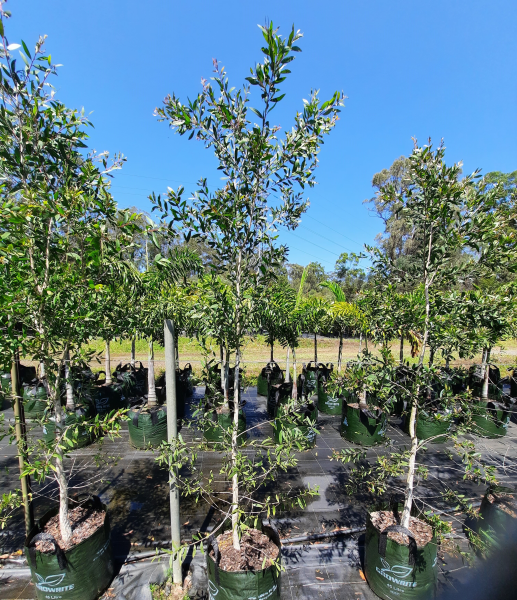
{"type": "Point", "coordinates": [240, 220]}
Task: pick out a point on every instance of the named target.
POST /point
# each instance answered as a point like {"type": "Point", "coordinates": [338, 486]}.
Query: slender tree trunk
{"type": "Point", "coordinates": [340, 352]}
{"type": "Point", "coordinates": [151, 383]}
{"type": "Point", "coordinates": [295, 376]}
{"type": "Point", "coordinates": [176, 340]}
{"type": "Point", "coordinates": [222, 369]}
{"type": "Point", "coordinates": [362, 399]}
{"type": "Point", "coordinates": [447, 361]}
{"type": "Point", "coordinates": [316, 349]}
{"type": "Point", "coordinates": [486, 374]}
{"type": "Point", "coordinates": [107, 363]}
{"type": "Point", "coordinates": [226, 377]}
{"type": "Point", "coordinates": [360, 341]}
{"type": "Point", "coordinates": [410, 481]}
{"type": "Point", "coordinates": [64, 520]}
{"type": "Point", "coordinates": [70, 402]}
{"type": "Point", "coordinates": [431, 356]}
{"type": "Point", "coordinates": [272, 357]}
{"type": "Point", "coordinates": [236, 385]}
{"type": "Point", "coordinates": [42, 371]}
{"type": "Point", "coordinates": [401, 354]}
{"type": "Point", "coordinates": [366, 343]}
{"type": "Point", "coordinates": [287, 373]}
{"type": "Point", "coordinates": [133, 352]}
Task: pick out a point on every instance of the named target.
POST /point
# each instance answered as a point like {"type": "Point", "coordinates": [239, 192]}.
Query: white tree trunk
{"type": "Point", "coordinates": [133, 352]}
{"type": "Point", "coordinates": [151, 383]}
{"type": "Point", "coordinates": [410, 481]}
{"type": "Point", "coordinates": [295, 377]}
{"type": "Point", "coordinates": [107, 364]}
{"type": "Point", "coordinates": [70, 402]}
{"type": "Point", "coordinates": [486, 374]}
{"type": "Point", "coordinates": [64, 520]}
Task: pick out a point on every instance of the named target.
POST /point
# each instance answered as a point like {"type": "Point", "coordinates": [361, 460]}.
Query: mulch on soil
{"type": "Point", "coordinates": [255, 547]}
{"type": "Point", "coordinates": [422, 531]}
{"type": "Point", "coordinates": [84, 522]}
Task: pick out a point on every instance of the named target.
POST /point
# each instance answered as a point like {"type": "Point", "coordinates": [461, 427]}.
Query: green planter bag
{"type": "Point", "coordinates": [495, 523]}
{"type": "Point", "coordinates": [271, 374]}
{"type": "Point", "coordinates": [308, 380]}
{"type": "Point", "coordinates": [300, 427]}
{"type": "Point", "coordinates": [224, 421]}
{"type": "Point", "coordinates": [35, 400]}
{"type": "Point", "coordinates": [398, 571]}
{"type": "Point", "coordinates": [181, 392]}
{"type": "Point", "coordinates": [73, 421]}
{"type": "Point", "coordinates": [107, 398]}
{"type": "Point", "coordinates": [186, 374]}
{"type": "Point", "coordinates": [490, 419]}
{"type": "Point", "coordinates": [277, 395]}
{"type": "Point", "coordinates": [147, 426]}
{"type": "Point", "coordinates": [429, 425]}
{"type": "Point", "coordinates": [363, 427]}
{"type": "Point", "coordinates": [81, 573]}
{"type": "Point", "coordinates": [243, 585]}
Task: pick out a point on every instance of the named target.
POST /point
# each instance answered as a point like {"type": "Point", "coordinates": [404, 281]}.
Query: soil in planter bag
{"type": "Point", "coordinates": [278, 394]}
{"type": "Point", "coordinates": [307, 411]}
{"type": "Point", "coordinates": [214, 433]}
{"type": "Point", "coordinates": [490, 419]}
{"type": "Point", "coordinates": [73, 421]}
{"type": "Point", "coordinates": [35, 399]}
{"type": "Point", "coordinates": [495, 524]}
{"type": "Point", "coordinates": [271, 374]}
{"type": "Point", "coordinates": [243, 585]}
{"type": "Point", "coordinates": [81, 573]}
{"type": "Point", "coordinates": [363, 426]}
{"type": "Point", "coordinates": [147, 426]}
{"type": "Point", "coordinates": [398, 571]}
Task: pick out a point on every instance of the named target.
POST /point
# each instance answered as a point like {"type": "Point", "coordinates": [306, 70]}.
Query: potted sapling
{"type": "Point", "coordinates": [58, 211]}
{"type": "Point", "coordinates": [447, 216]}
{"type": "Point", "coordinates": [239, 222]}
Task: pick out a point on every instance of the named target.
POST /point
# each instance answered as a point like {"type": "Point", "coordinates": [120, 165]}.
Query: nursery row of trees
{"type": "Point", "coordinates": [76, 267]}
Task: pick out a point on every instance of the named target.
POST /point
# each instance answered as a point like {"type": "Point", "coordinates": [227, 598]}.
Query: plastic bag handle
{"type": "Point", "coordinates": [46, 537]}
{"type": "Point", "coordinates": [383, 539]}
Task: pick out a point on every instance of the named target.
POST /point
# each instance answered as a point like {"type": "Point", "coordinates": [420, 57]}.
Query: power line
{"type": "Point", "coordinates": [332, 229]}
{"type": "Point", "coordinates": [317, 245]}
{"type": "Point", "coordinates": [308, 254]}
{"type": "Point", "coordinates": [337, 243]}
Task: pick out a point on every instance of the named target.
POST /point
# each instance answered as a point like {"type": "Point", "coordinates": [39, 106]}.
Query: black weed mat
{"type": "Point", "coordinates": [135, 490]}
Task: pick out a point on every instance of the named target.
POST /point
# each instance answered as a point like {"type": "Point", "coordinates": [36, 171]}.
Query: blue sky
{"type": "Point", "coordinates": [445, 68]}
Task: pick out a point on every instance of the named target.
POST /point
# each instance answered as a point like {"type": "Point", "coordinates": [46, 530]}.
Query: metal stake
{"type": "Point", "coordinates": [172, 433]}
{"type": "Point", "coordinates": [21, 441]}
